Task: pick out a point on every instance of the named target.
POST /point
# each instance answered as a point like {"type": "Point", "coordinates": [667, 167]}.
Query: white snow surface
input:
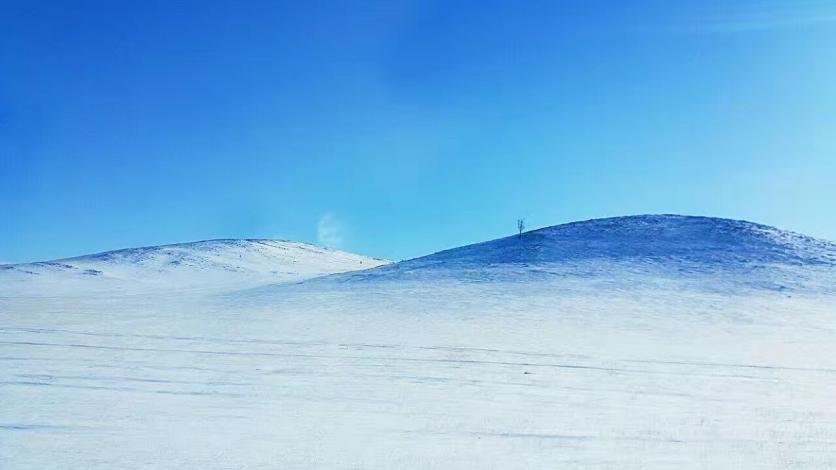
{"type": "Point", "coordinates": [650, 342]}
{"type": "Point", "coordinates": [212, 265]}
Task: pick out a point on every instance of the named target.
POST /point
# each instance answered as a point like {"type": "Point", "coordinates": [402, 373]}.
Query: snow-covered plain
{"type": "Point", "coordinates": [639, 342]}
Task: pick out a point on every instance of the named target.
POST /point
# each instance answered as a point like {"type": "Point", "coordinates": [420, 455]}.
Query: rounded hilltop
{"type": "Point", "coordinates": [218, 265]}
{"type": "Point", "coordinates": [707, 252]}
{"type": "Point", "coordinates": [650, 237]}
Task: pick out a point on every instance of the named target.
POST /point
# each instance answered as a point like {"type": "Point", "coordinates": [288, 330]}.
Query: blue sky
{"type": "Point", "coordinates": [400, 128]}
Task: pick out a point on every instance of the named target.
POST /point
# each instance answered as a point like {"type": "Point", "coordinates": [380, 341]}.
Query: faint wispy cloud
{"type": "Point", "coordinates": [329, 231]}
{"type": "Point", "coordinates": [745, 15]}
{"type": "Point", "coordinates": [766, 19]}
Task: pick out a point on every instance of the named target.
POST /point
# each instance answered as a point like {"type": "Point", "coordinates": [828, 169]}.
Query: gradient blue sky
{"type": "Point", "coordinates": [398, 128]}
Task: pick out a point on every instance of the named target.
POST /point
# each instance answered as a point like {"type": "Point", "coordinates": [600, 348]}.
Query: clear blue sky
{"type": "Point", "coordinates": [400, 128]}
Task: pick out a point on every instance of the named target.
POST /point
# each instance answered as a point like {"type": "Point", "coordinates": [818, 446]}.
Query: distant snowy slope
{"type": "Point", "coordinates": [213, 264]}
{"type": "Point", "coordinates": [717, 253]}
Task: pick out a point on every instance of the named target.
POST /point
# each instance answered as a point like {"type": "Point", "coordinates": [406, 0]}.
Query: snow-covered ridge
{"type": "Point", "coordinates": [627, 248]}
{"type": "Point", "coordinates": [235, 263]}
{"type": "Point", "coordinates": [657, 237]}
{"type": "Point", "coordinates": [711, 252]}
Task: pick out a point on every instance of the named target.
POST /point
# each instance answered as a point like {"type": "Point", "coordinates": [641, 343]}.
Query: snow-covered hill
{"type": "Point", "coordinates": [210, 265]}
{"type": "Point", "coordinates": [649, 342]}
{"type": "Point", "coordinates": [697, 252]}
